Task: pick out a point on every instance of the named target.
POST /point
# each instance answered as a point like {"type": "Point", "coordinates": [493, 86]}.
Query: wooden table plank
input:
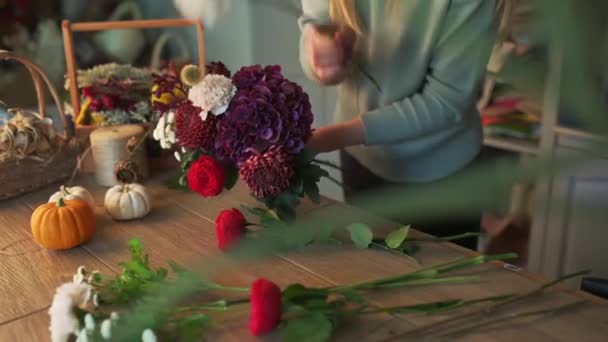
{"type": "Point", "coordinates": [30, 274]}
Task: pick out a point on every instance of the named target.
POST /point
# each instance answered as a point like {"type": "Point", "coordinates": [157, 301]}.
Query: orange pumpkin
{"type": "Point", "coordinates": [63, 224]}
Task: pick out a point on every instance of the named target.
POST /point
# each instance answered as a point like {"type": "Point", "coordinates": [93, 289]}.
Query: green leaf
{"type": "Point", "coordinates": [232, 176]}
{"type": "Point", "coordinates": [395, 238]}
{"type": "Point", "coordinates": [305, 157]}
{"type": "Point", "coordinates": [177, 268]}
{"type": "Point", "coordinates": [310, 328]}
{"type": "Point", "coordinates": [361, 234]}
{"type": "Point", "coordinates": [136, 248]}
{"type": "Point", "coordinates": [312, 191]}
{"type": "Point", "coordinates": [352, 295]}
{"type": "Point", "coordinates": [300, 295]}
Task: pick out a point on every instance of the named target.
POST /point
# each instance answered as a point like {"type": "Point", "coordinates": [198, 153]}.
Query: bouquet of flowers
{"type": "Point", "coordinates": [253, 125]}
{"type": "Point", "coordinates": [114, 94]}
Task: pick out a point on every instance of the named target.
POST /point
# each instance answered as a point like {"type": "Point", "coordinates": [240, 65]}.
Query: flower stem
{"type": "Point", "coordinates": [221, 305]}
{"type": "Point", "coordinates": [446, 238]}
{"type": "Point", "coordinates": [381, 246]}
{"type": "Point", "coordinates": [431, 281]}
{"type": "Point", "coordinates": [327, 163]}
{"type": "Point", "coordinates": [514, 316]}
{"type": "Point", "coordinates": [485, 311]}
{"type": "Point", "coordinates": [226, 288]}
{"type": "Point", "coordinates": [335, 181]}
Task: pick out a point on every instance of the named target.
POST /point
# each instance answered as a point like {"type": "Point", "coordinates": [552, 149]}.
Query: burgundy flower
{"type": "Point", "coordinates": [217, 68]}
{"type": "Point", "coordinates": [192, 131]}
{"type": "Point", "coordinates": [265, 307]}
{"type": "Point", "coordinates": [206, 176]}
{"type": "Point", "coordinates": [268, 174]}
{"type": "Point", "coordinates": [167, 89]}
{"type": "Point", "coordinates": [229, 228]}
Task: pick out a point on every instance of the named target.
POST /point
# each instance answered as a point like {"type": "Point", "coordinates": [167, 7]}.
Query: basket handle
{"type": "Point", "coordinates": [160, 45]}
{"type": "Point", "coordinates": [37, 73]}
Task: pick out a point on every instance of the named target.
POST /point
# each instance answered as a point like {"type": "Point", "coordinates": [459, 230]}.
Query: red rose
{"type": "Point", "coordinates": [206, 176]}
{"type": "Point", "coordinates": [265, 307]}
{"type": "Point", "coordinates": [229, 227]}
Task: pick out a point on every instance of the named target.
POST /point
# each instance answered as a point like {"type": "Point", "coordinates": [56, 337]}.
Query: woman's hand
{"type": "Point", "coordinates": [336, 137]}
{"type": "Point", "coordinates": [329, 50]}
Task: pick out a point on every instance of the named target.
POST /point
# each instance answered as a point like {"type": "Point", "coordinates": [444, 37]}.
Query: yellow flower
{"type": "Point", "coordinates": [167, 97]}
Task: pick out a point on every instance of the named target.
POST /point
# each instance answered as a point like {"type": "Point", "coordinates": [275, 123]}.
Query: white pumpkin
{"type": "Point", "coordinates": [127, 201]}
{"type": "Point", "coordinates": [73, 193]}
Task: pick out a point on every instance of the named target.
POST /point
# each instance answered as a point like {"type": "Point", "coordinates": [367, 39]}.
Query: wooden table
{"type": "Point", "coordinates": [181, 228]}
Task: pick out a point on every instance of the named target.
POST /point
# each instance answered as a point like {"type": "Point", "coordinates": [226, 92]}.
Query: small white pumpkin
{"type": "Point", "coordinates": [127, 201]}
{"type": "Point", "coordinates": [73, 193]}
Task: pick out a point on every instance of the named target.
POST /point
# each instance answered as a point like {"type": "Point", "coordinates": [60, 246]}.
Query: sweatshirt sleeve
{"type": "Point", "coordinates": [456, 68]}
{"type": "Point", "coordinates": [315, 12]}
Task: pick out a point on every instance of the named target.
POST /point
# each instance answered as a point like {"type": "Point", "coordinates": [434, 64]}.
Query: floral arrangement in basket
{"type": "Point", "coordinates": [253, 125]}
{"type": "Point", "coordinates": [114, 94]}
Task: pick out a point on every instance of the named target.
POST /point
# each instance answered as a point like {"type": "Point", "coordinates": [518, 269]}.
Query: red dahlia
{"type": "Point", "coordinates": [268, 174]}
{"type": "Point", "coordinates": [192, 132]}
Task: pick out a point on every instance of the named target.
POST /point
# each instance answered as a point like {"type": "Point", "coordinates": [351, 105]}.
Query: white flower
{"type": "Point", "coordinates": [80, 274]}
{"type": "Point", "coordinates": [213, 94]}
{"type": "Point", "coordinates": [92, 276]}
{"type": "Point", "coordinates": [63, 321]}
{"type": "Point", "coordinates": [148, 336]}
{"type": "Point", "coordinates": [106, 329]}
{"type": "Point", "coordinates": [83, 336]}
{"type": "Point", "coordinates": [165, 130]}
{"type": "Point", "coordinates": [96, 299]}
{"type": "Point", "coordinates": [114, 316]}
{"type": "Point", "coordinates": [178, 156]}
{"type": "Point", "coordinates": [89, 322]}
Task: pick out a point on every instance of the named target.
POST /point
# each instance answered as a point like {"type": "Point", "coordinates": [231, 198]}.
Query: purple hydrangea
{"type": "Point", "coordinates": [268, 110]}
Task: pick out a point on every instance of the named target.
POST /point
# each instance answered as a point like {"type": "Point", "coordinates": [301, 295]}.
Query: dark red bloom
{"type": "Point", "coordinates": [229, 228]}
{"type": "Point", "coordinates": [265, 307]}
{"type": "Point", "coordinates": [217, 68]}
{"type": "Point", "coordinates": [268, 174]}
{"type": "Point", "coordinates": [206, 176]}
{"type": "Point", "coordinates": [192, 132]}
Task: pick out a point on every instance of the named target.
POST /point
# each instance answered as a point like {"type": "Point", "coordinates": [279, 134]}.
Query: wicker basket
{"type": "Point", "coordinates": [21, 175]}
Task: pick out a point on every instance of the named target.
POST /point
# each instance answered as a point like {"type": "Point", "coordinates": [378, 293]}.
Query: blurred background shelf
{"type": "Point", "coordinates": [512, 144]}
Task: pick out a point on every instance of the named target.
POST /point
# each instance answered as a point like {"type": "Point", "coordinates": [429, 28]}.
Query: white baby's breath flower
{"type": "Point", "coordinates": [80, 274]}
{"type": "Point", "coordinates": [106, 329]}
{"type": "Point", "coordinates": [96, 299]}
{"type": "Point", "coordinates": [178, 156]}
{"type": "Point", "coordinates": [165, 130]}
{"type": "Point", "coordinates": [148, 336]}
{"type": "Point", "coordinates": [92, 276]}
{"type": "Point", "coordinates": [213, 94]}
{"type": "Point", "coordinates": [89, 322]}
{"type": "Point", "coordinates": [66, 298]}
{"type": "Point", "coordinates": [114, 316]}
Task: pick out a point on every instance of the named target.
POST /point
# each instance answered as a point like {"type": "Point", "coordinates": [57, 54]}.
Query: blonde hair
{"type": "Point", "coordinates": [344, 12]}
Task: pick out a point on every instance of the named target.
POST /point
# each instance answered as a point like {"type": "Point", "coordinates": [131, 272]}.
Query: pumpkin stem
{"type": "Point", "coordinates": [60, 202]}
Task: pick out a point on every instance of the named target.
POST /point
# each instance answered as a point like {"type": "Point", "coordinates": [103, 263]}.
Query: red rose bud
{"type": "Point", "coordinates": [206, 176]}
{"type": "Point", "coordinates": [265, 307]}
{"type": "Point", "coordinates": [229, 228]}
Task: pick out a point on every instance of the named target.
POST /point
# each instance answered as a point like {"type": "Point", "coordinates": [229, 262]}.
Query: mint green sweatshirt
{"type": "Point", "coordinates": [429, 58]}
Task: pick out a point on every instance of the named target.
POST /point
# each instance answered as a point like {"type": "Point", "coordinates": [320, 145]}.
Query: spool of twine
{"type": "Point", "coordinates": [109, 145]}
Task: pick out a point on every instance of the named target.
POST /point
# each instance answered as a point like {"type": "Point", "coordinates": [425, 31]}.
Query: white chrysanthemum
{"type": "Point", "coordinates": [165, 130]}
{"type": "Point", "coordinates": [106, 329]}
{"type": "Point", "coordinates": [89, 322]}
{"type": "Point", "coordinates": [83, 336]}
{"type": "Point", "coordinates": [213, 94]}
{"type": "Point", "coordinates": [148, 336]}
{"type": "Point", "coordinates": [67, 297]}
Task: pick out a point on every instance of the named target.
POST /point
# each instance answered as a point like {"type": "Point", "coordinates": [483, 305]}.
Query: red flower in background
{"type": "Point", "coordinates": [229, 228]}
{"type": "Point", "coordinates": [265, 307]}
{"type": "Point", "coordinates": [206, 176]}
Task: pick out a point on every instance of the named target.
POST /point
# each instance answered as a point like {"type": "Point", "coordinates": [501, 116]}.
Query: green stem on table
{"type": "Point", "coordinates": [485, 311]}
{"type": "Point", "coordinates": [445, 238]}
{"type": "Point", "coordinates": [226, 288]}
{"type": "Point", "coordinates": [430, 281]}
{"type": "Point", "coordinates": [459, 332]}
{"type": "Point", "coordinates": [221, 305]}
{"type": "Point", "coordinates": [433, 271]}
{"type": "Point", "coordinates": [381, 246]}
